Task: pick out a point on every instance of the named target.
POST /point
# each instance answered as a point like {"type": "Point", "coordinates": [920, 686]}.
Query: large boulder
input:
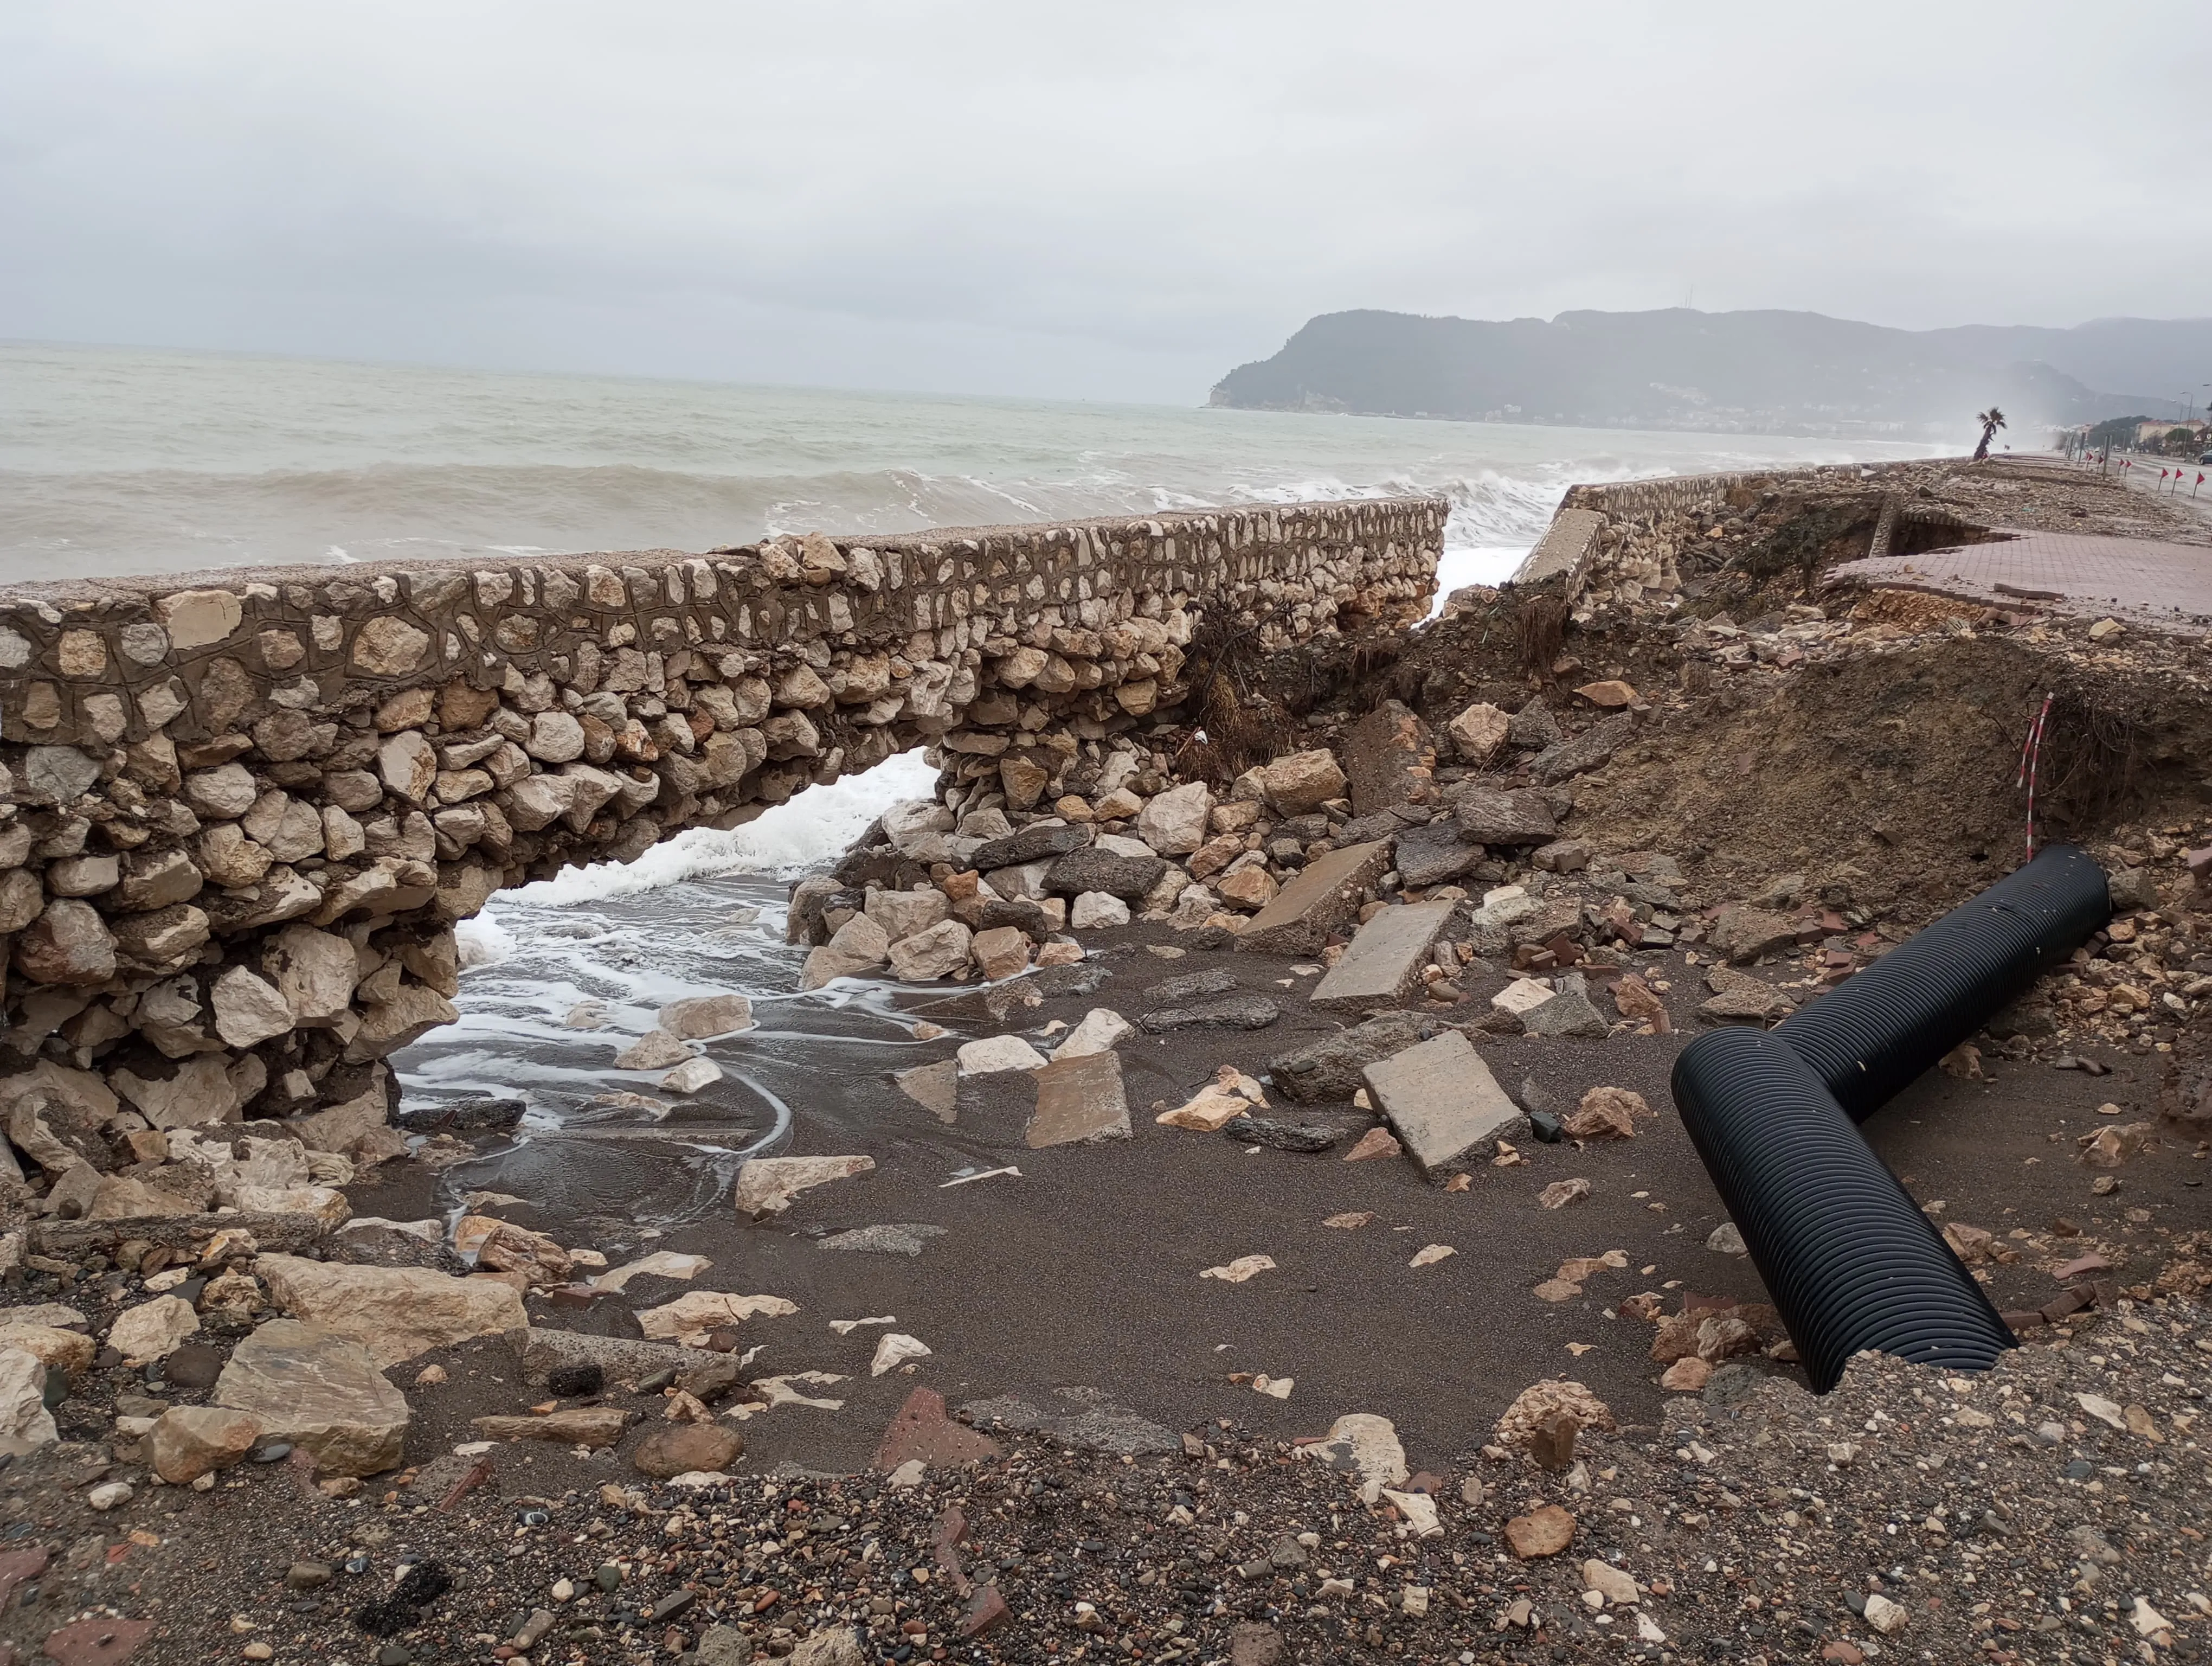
{"type": "Point", "coordinates": [1433, 855]}
{"type": "Point", "coordinates": [395, 1312]}
{"type": "Point", "coordinates": [1174, 823]}
{"type": "Point", "coordinates": [1301, 782]}
{"type": "Point", "coordinates": [319, 1390]}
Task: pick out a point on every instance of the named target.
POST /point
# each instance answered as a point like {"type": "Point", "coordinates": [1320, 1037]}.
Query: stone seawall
{"type": "Point", "coordinates": [1623, 541]}
{"type": "Point", "coordinates": [240, 813]}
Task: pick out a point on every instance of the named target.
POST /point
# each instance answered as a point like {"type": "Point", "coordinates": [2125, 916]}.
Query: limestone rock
{"type": "Point", "coordinates": [656, 1050]}
{"type": "Point", "coordinates": [1478, 733]}
{"type": "Point", "coordinates": [935, 1086]}
{"type": "Point", "coordinates": [187, 1441]}
{"type": "Point", "coordinates": [690, 1076]}
{"type": "Point", "coordinates": [904, 914]}
{"type": "Point", "coordinates": [1588, 751]}
{"type": "Point", "coordinates": [248, 1009]}
{"type": "Point", "coordinates": [579, 1425]}
{"type": "Point", "coordinates": [68, 944]}
{"type": "Point", "coordinates": [939, 951]}
{"type": "Point", "coordinates": [1300, 782]}
{"type": "Point", "coordinates": [1101, 1029]}
{"type": "Point", "coordinates": [1544, 1531]}
{"type": "Point", "coordinates": [71, 1351]}
{"type": "Point", "coordinates": [1392, 756]}
{"type": "Point", "coordinates": [152, 1329]}
{"type": "Point", "coordinates": [388, 1025]}
{"type": "Point", "coordinates": [703, 1016]}
{"type": "Point", "coordinates": [315, 972]}
{"type": "Point", "coordinates": [1003, 951]}
{"type": "Point", "coordinates": [388, 645]}
{"type": "Point", "coordinates": [858, 945]}
{"type": "Point", "coordinates": [395, 1312]}
{"type": "Point", "coordinates": [1364, 1444]}
{"type": "Point", "coordinates": [1606, 1113]}
{"type": "Point", "coordinates": [766, 1185]}
{"type": "Point", "coordinates": [1174, 823]}
{"type": "Point", "coordinates": [996, 1053]}
{"type": "Point", "coordinates": [1102, 871]}
{"type": "Point", "coordinates": [677, 1449]}
{"type": "Point", "coordinates": [1744, 934]}
{"type": "Point", "coordinates": [25, 1422]}
{"type": "Point", "coordinates": [1093, 910]}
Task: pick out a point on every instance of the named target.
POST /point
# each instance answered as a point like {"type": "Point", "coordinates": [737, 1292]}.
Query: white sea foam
{"type": "Point", "coordinates": [819, 823]}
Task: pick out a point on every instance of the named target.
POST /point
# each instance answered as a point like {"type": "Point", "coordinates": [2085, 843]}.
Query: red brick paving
{"type": "Point", "coordinates": [2166, 585]}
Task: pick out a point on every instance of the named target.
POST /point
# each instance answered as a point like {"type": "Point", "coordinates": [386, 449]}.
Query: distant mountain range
{"type": "Point", "coordinates": [1752, 372]}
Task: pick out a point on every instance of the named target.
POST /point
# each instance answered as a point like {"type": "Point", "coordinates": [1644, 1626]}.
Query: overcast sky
{"type": "Point", "coordinates": [1114, 201]}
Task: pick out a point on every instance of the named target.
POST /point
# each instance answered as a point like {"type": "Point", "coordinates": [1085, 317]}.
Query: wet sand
{"type": "Point", "coordinates": [1082, 1273]}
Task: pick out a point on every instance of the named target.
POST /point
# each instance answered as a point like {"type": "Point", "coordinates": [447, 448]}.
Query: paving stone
{"type": "Point", "coordinates": [1322, 900]}
{"type": "Point", "coordinates": [1441, 1099]}
{"type": "Point", "coordinates": [1080, 1100]}
{"type": "Point", "coordinates": [1384, 962]}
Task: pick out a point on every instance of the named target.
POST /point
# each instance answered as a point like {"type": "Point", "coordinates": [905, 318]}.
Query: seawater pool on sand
{"type": "Point", "coordinates": [700, 915]}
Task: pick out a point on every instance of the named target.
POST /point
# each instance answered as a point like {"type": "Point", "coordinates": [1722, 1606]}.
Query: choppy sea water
{"type": "Point", "coordinates": [118, 461]}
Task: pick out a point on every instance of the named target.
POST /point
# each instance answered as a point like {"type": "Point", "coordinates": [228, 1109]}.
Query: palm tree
{"type": "Point", "coordinates": [1992, 420]}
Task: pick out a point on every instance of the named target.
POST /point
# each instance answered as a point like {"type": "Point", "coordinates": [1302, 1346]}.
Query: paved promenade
{"type": "Point", "coordinates": [2166, 585]}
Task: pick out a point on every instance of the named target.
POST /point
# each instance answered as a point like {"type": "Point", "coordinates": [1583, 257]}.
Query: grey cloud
{"type": "Point", "coordinates": [1116, 201]}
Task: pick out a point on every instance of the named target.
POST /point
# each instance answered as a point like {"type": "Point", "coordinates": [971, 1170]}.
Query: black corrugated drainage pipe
{"type": "Point", "coordinates": [1850, 1259]}
{"type": "Point", "coordinates": [1867, 1038]}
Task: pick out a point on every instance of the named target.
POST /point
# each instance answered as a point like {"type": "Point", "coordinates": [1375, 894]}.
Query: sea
{"type": "Point", "coordinates": [125, 460]}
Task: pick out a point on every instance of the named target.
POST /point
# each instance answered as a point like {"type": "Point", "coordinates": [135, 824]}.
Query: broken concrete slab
{"type": "Point", "coordinates": [934, 1086]}
{"type": "Point", "coordinates": [1329, 1069]}
{"type": "Point", "coordinates": [1442, 1100]}
{"type": "Point", "coordinates": [1080, 1100]}
{"type": "Point", "coordinates": [1086, 1418]}
{"type": "Point", "coordinates": [906, 1237]}
{"type": "Point", "coordinates": [1325, 896]}
{"type": "Point", "coordinates": [1245, 1011]}
{"type": "Point", "coordinates": [1384, 961]}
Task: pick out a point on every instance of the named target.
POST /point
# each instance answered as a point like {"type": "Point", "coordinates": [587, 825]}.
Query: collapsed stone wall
{"type": "Point", "coordinates": [240, 813]}
{"type": "Point", "coordinates": [1632, 543]}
